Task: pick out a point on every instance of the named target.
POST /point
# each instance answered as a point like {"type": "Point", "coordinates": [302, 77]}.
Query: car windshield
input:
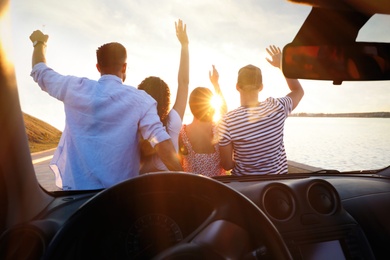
{"type": "Point", "coordinates": [344, 127]}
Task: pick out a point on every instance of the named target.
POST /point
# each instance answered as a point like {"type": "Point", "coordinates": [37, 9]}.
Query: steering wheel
{"type": "Point", "coordinates": [168, 215]}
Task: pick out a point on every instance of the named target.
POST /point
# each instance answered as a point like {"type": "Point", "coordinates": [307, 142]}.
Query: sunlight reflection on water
{"type": "Point", "coordinates": [339, 143]}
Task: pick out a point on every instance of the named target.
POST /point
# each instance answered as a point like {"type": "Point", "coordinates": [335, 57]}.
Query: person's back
{"type": "Point", "coordinates": [171, 119]}
{"type": "Point", "coordinates": [98, 138]}
{"type": "Point", "coordinates": [99, 145]}
{"type": "Point", "coordinates": [251, 136]}
{"type": "Point", "coordinates": [257, 134]}
{"type": "Point", "coordinates": [199, 149]}
{"type": "Point", "coordinates": [198, 142]}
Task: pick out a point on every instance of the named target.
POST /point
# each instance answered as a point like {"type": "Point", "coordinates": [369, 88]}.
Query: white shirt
{"type": "Point", "coordinates": [99, 145]}
{"type": "Point", "coordinates": [154, 163]}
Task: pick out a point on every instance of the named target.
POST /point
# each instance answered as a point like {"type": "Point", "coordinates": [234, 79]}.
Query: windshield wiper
{"type": "Point", "coordinates": [357, 171]}
{"type": "Point", "coordinates": [326, 171]}
{"type": "Point", "coordinates": [384, 171]}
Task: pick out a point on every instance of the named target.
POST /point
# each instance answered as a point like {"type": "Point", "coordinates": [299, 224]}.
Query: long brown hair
{"type": "Point", "coordinates": [159, 90]}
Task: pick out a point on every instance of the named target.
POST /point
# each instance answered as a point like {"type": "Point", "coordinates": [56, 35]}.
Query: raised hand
{"type": "Point", "coordinates": [38, 53]}
{"type": "Point", "coordinates": [181, 32]}
{"type": "Point", "coordinates": [275, 54]}
{"type": "Point", "coordinates": [183, 76]}
{"type": "Point", "coordinates": [39, 36]}
{"type": "Point", "coordinates": [214, 76]}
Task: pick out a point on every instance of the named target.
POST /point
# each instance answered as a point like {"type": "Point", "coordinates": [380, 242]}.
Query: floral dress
{"type": "Point", "coordinates": [207, 164]}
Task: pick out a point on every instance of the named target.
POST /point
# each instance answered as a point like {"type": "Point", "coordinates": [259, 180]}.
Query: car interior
{"type": "Point", "coordinates": [175, 215]}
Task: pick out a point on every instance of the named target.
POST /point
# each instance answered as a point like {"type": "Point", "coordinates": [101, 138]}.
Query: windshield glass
{"type": "Point", "coordinates": [228, 35]}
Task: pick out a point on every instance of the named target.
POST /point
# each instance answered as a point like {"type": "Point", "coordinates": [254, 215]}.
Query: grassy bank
{"type": "Point", "coordinates": [41, 135]}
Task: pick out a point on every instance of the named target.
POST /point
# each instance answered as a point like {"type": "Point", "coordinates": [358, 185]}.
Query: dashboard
{"type": "Point", "coordinates": [340, 216]}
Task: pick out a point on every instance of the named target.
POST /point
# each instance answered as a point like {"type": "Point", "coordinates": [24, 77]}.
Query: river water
{"type": "Point", "coordinates": [338, 143]}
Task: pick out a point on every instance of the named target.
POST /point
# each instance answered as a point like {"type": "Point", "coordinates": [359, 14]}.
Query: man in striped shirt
{"type": "Point", "coordinates": [251, 136]}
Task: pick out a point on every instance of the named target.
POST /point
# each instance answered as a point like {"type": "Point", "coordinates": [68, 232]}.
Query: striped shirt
{"type": "Point", "coordinates": [256, 134]}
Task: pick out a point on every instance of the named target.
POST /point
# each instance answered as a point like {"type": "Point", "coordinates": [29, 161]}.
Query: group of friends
{"type": "Point", "coordinates": [114, 132]}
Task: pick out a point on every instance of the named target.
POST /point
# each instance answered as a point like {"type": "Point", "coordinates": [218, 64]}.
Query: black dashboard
{"type": "Point", "coordinates": [340, 216]}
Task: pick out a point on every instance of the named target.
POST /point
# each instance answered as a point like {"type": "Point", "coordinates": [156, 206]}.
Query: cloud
{"type": "Point", "coordinates": [227, 33]}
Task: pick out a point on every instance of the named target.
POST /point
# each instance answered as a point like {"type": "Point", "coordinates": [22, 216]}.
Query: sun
{"type": "Point", "coordinates": [216, 103]}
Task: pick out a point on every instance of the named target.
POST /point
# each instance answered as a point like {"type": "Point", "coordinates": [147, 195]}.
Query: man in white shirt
{"type": "Point", "coordinates": [104, 120]}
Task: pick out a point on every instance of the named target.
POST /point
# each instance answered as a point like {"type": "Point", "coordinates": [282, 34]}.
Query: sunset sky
{"type": "Point", "coordinates": [227, 33]}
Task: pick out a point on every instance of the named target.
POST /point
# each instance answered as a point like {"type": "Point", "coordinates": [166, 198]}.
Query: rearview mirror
{"type": "Point", "coordinates": [356, 62]}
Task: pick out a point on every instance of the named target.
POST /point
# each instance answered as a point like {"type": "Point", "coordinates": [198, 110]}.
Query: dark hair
{"type": "Point", "coordinates": [200, 105]}
{"type": "Point", "coordinates": [159, 90]}
{"type": "Point", "coordinates": [111, 54]}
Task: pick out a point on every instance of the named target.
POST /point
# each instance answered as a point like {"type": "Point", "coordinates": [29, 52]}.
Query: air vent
{"type": "Point", "coordinates": [322, 198]}
{"type": "Point", "coordinates": [278, 203]}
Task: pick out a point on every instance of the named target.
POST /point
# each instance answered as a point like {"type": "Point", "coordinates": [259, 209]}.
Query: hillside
{"type": "Point", "coordinates": [41, 135]}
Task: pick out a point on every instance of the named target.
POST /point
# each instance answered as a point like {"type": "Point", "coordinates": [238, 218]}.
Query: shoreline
{"type": "Point", "coordinates": [357, 115]}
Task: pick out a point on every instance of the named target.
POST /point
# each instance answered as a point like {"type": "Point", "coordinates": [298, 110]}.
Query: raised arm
{"type": "Point", "coordinates": [214, 77]}
{"type": "Point", "coordinates": [184, 70]}
{"type": "Point", "coordinates": [297, 92]}
{"type": "Point", "coordinates": [39, 41]}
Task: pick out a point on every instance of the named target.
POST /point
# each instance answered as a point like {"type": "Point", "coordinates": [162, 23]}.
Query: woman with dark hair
{"type": "Point", "coordinates": [159, 90]}
{"type": "Point", "coordinates": [198, 141]}
{"type": "Point", "coordinates": [171, 119]}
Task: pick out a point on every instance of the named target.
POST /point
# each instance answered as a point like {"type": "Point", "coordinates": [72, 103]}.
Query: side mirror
{"type": "Point", "coordinates": [358, 61]}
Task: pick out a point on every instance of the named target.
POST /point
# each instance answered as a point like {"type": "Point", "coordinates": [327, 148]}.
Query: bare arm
{"type": "Point", "coordinates": [226, 153]}
{"type": "Point", "coordinates": [297, 92]}
{"type": "Point", "coordinates": [39, 40]}
{"type": "Point", "coordinates": [184, 67]}
{"type": "Point", "coordinates": [168, 155]}
{"type": "Point", "coordinates": [214, 77]}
